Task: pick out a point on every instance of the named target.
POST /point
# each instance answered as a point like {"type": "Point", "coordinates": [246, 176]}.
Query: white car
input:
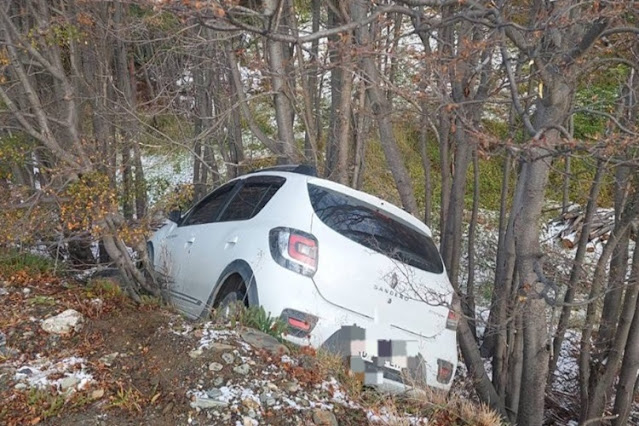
{"type": "Point", "coordinates": [345, 270]}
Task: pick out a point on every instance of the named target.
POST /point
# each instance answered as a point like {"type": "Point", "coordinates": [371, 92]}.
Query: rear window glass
{"type": "Point", "coordinates": [251, 198]}
{"type": "Point", "coordinates": [375, 229]}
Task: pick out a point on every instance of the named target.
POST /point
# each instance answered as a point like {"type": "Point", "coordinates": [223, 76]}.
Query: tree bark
{"type": "Point", "coordinates": [382, 112]}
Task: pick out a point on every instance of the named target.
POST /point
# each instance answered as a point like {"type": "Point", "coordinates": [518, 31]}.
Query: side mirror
{"type": "Point", "coordinates": [175, 216]}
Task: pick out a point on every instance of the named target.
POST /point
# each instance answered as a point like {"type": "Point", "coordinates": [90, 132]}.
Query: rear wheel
{"type": "Point", "coordinates": [231, 297]}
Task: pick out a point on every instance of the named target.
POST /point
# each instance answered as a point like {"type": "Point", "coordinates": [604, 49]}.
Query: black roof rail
{"type": "Point", "coordinates": [303, 169]}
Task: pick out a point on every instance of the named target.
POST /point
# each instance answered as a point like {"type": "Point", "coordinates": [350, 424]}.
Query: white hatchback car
{"type": "Point", "coordinates": [328, 260]}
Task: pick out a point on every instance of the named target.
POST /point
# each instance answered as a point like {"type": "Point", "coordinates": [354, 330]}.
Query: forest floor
{"type": "Point", "coordinates": [144, 364]}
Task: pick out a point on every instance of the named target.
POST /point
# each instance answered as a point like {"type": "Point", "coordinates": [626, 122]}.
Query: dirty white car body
{"type": "Point", "coordinates": [321, 256]}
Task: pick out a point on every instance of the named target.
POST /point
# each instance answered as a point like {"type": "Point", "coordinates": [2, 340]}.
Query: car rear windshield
{"type": "Point", "coordinates": [375, 229]}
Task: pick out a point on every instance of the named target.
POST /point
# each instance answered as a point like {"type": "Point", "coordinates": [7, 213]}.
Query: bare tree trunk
{"type": "Point", "coordinates": [423, 150]}
{"type": "Point", "coordinates": [602, 384]}
{"type": "Point", "coordinates": [618, 270]}
{"type": "Point", "coordinates": [577, 269]}
{"type": "Point", "coordinates": [586, 373]}
{"type": "Point", "coordinates": [361, 136]}
{"type": "Point", "coordinates": [382, 112]}
{"type": "Point", "coordinates": [341, 100]}
{"type": "Point", "coordinates": [628, 377]}
{"type": "Point", "coordinates": [284, 112]}
{"type": "Point", "coordinates": [468, 302]}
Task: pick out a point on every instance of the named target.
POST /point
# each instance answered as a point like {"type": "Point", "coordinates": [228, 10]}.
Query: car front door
{"type": "Point", "coordinates": [197, 224]}
{"type": "Point", "coordinates": [228, 238]}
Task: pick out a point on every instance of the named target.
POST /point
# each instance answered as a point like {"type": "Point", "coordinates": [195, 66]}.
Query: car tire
{"type": "Point", "coordinates": [234, 292]}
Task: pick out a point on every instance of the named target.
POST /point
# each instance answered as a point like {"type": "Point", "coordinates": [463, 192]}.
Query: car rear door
{"type": "Point", "coordinates": [374, 263]}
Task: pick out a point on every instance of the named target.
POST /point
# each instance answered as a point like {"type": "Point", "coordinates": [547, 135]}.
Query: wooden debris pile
{"type": "Point", "coordinates": [601, 226]}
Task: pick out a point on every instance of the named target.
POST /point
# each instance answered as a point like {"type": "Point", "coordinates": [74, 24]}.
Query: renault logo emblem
{"type": "Point", "coordinates": [393, 281]}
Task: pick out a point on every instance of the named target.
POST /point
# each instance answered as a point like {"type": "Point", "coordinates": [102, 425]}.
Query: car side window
{"type": "Point", "coordinates": [208, 210]}
{"type": "Point", "coordinates": [252, 198]}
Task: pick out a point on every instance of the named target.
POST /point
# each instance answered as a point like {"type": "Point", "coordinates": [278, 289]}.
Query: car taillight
{"type": "Point", "coordinates": [295, 250]}
{"type": "Point", "coordinates": [444, 371]}
{"type": "Point", "coordinates": [452, 320]}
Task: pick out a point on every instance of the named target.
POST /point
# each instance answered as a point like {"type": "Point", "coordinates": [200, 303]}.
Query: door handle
{"type": "Point", "coordinates": [230, 243]}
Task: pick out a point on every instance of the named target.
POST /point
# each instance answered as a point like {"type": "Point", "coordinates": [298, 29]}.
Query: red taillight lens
{"type": "Point", "coordinates": [302, 325]}
{"type": "Point", "coordinates": [303, 249]}
{"type": "Point", "coordinates": [444, 371]}
{"type": "Point", "coordinates": [294, 249]}
{"type": "Point", "coordinates": [452, 320]}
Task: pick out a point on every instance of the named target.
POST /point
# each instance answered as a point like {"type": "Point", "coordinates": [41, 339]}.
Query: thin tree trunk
{"type": "Point", "coordinates": [577, 269]}
{"type": "Point", "coordinates": [382, 112]}
{"type": "Point", "coordinates": [423, 150]}
{"type": "Point", "coordinates": [469, 299]}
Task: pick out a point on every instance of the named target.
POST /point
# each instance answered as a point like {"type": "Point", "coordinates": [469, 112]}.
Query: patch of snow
{"type": "Point", "coordinates": [37, 373]}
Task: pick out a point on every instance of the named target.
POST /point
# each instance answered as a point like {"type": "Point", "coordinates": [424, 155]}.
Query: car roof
{"type": "Point", "coordinates": [377, 202]}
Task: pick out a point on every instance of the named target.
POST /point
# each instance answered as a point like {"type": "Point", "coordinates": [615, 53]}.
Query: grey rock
{"type": "Point", "coordinates": [204, 403]}
{"type": "Point", "coordinates": [267, 399]}
{"type": "Point", "coordinates": [228, 358]}
{"type": "Point", "coordinates": [25, 370]}
{"type": "Point", "coordinates": [219, 347]}
{"type": "Point", "coordinates": [215, 366]}
{"type": "Point", "coordinates": [20, 386]}
{"type": "Point", "coordinates": [214, 393]}
{"type": "Point", "coordinates": [218, 381]}
{"type": "Point", "coordinates": [261, 340]}
{"type": "Point", "coordinates": [242, 369]}
{"type": "Point", "coordinates": [68, 383]}
{"type": "Point", "coordinates": [64, 323]}
{"type": "Point", "coordinates": [109, 359]}
{"type": "Point", "coordinates": [195, 353]}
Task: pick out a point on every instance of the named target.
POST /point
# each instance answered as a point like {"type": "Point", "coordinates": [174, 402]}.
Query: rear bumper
{"type": "Point", "coordinates": [280, 289]}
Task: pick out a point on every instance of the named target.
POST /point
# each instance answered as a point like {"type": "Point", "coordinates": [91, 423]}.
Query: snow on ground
{"type": "Point", "coordinates": [65, 374]}
{"type": "Point", "coordinates": [266, 387]}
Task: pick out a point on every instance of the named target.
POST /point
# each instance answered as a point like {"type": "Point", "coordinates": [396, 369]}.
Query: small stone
{"type": "Point", "coordinates": [228, 358]}
{"type": "Point", "coordinates": [64, 323]}
{"type": "Point", "coordinates": [195, 353]}
{"type": "Point", "coordinates": [167, 409]}
{"type": "Point", "coordinates": [267, 399]}
{"type": "Point", "coordinates": [204, 403]}
{"type": "Point", "coordinates": [219, 347]}
{"type": "Point", "coordinates": [218, 381]}
{"type": "Point", "coordinates": [109, 359]}
{"type": "Point", "coordinates": [26, 290]}
{"type": "Point", "coordinates": [303, 402]}
{"type": "Point", "coordinates": [3, 291]}
{"type": "Point", "coordinates": [250, 404]}
{"type": "Point", "coordinates": [242, 369]}
{"type": "Point", "coordinates": [291, 387]}
{"type": "Point", "coordinates": [213, 393]}
{"type": "Point", "coordinates": [97, 394]}
{"type": "Point", "coordinates": [215, 366]}
{"type": "Point", "coordinates": [324, 418]}
{"type": "Point", "coordinates": [28, 334]}
{"type": "Point", "coordinates": [25, 370]}
{"type": "Point", "coordinates": [248, 421]}
{"type": "Point", "coordinates": [20, 386]}
{"type": "Point", "coordinates": [68, 383]}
